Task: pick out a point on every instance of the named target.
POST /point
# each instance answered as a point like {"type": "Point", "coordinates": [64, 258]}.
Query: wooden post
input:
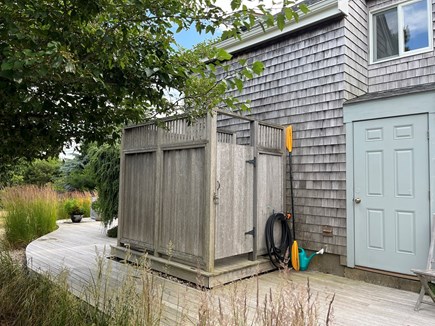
{"type": "Point", "coordinates": [210, 186]}
{"type": "Point", "coordinates": [158, 191]}
{"type": "Point", "coordinates": [284, 170]}
{"type": "Point", "coordinates": [254, 144]}
{"type": "Point", "coordinates": [121, 189]}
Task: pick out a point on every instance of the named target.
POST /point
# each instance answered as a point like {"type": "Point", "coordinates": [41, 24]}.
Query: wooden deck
{"type": "Point", "coordinates": [76, 248]}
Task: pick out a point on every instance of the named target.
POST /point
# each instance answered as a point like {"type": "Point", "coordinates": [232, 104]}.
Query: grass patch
{"type": "Point", "coordinates": [137, 298]}
{"type": "Point", "coordinates": [30, 213]}
{"type": "Point", "coordinates": [31, 299]}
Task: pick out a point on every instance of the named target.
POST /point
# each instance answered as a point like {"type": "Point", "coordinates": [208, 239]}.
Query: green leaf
{"type": "Point", "coordinates": [210, 29]}
{"type": "Point", "coordinates": [244, 107]}
{"type": "Point", "coordinates": [270, 21]}
{"type": "Point", "coordinates": [296, 16]}
{"type": "Point", "coordinates": [252, 20]}
{"type": "Point", "coordinates": [304, 8]}
{"type": "Point", "coordinates": [7, 65]}
{"type": "Point", "coordinates": [247, 73]}
{"type": "Point", "coordinates": [199, 27]}
{"type": "Point", "coordinates": [239, 84]}
{"type": "Point", "coordinates": [280, 21]}
{"type": "Point", "coordinates": [242, 62]}
{"type": "Point", "coordinates": [212, 67]}
{"type": "Point", "coordinates": [258, 67]}
{"type": "Point", "coordinates": [235, 4]}
{"type": "Point", "coordinates": [288, 13]}
{"type": "Point", "coordinates": [223, 55]}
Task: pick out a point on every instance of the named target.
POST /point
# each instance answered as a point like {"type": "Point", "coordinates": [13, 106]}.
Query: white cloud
{"type": "Point", "coordinates": [416, 20]}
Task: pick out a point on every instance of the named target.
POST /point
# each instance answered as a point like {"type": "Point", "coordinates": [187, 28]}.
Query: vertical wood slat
{"type": "Point", "coordinates": [179, 131]}
{"type": "Point", "coordinates": [254, 142]}
{"type": "Point", "coordinates": [235, 205]}
{"type": "Point", "coordinates": [269, 194]}
{"type": "Point", "coordinates": [226, 137]}
{"type": "Point", "coordinates": [121, 219]}
{"type": "Point", "coordinates": [210, 186]}
{"type": "Point", "coordinates": [158, 192]}
{"type": "Point", "coordinates": [140, 137]}
{"type": "Point", "coordinates": [182, 205]}
{"type": "Point", "coordinates": [270, 137]}
{"type": "Point", "coordinates": [138, 200]}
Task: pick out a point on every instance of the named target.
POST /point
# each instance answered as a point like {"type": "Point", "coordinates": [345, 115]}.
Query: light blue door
{"type": "Point", "coordinates": [391, 193]}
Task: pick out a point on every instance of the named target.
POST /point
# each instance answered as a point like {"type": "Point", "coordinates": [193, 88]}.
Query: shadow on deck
{"type": "Point", "coordinates": [76, 248]}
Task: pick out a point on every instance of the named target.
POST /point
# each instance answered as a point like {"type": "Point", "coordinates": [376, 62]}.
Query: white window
{"type": "Point", "coordinates": [404, 29]}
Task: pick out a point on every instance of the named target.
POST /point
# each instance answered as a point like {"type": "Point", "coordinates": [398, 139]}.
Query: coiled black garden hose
{"type": "Point", "coordinates": [279, 256]}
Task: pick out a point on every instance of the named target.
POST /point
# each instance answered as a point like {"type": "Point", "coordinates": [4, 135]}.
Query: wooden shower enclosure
{"type": "Point", "coordinates": [196, 197]}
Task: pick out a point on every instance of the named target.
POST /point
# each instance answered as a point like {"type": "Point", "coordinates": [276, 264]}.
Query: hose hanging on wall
{"type": "Point", "coordinates": [279, 256]}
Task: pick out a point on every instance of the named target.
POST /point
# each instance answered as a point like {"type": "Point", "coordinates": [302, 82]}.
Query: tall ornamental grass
{"type": "Point", "coordinates": [33, 299]}
{"type": "Point", "coordinates": [30, 213]}
{"type": "Point", "coordinates": [139, 297]}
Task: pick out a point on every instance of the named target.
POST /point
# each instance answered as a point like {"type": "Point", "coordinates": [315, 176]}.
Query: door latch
{"type": "Point", "coordinates": [252, 232]}
{"type": "Point", "coordinates": [253, 161]}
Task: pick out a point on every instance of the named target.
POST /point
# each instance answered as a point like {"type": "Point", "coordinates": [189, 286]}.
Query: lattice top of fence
{"type": "Point", "coordinates": [232, 128]}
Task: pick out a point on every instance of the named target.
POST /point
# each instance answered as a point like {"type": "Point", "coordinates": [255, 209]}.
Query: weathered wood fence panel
{"type": "Point", "coordinates": [138, 204]}
{"type": "Point", "coordinates": [234, 204]}
{"type": "Point", "coordinates": [183, 210]}
{"type": "Point", "coordinates": [140, 137]}
{"type": "Point", "coordinates": [195, 194]}
{"type": "Point", "coordinates": [270, 192]}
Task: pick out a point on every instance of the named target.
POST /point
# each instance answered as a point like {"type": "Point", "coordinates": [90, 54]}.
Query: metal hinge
{"type": "Point", "coordinates": [252, 232]}
{"type": "Point", "coordinates": [253, 161]}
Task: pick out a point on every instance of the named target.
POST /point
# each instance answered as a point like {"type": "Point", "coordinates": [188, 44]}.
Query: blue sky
{"type": "Point", "coordinates": [188, 39]}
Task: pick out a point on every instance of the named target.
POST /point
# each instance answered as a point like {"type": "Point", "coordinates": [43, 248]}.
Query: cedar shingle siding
{"type": "Point", "coordinates": [303, 85]}
{"type": "Point", "coordinates": [308, 77]}
{"type": "Point", "coordinates": [408, 71]}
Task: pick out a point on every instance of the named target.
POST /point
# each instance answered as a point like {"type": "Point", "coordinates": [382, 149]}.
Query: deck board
{"type": "Point", "coordinates": [76, 247]}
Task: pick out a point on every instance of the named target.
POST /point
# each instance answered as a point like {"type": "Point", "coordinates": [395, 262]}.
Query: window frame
{"type": "Point", "coordinates": [400, 20]}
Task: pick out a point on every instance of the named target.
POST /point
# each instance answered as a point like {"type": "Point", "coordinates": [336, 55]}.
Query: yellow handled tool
{"type": "Point", "coordinates": [295, 249]}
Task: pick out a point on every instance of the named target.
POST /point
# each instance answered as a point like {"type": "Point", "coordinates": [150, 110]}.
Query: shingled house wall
{"type": "Point", "coordinates": [401, 72]}
{"type": "Point", "coordinates": [308, 76]}
{"type": "Point", "coordinates": [303, 85]}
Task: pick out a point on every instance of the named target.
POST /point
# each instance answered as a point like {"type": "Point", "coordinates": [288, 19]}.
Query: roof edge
{"type": "Point", "coordinates": [319, 11]}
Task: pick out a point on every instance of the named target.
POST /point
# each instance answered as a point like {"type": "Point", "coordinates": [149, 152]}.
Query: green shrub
{"type": "Point", "coordinates": [82, 201]}
{"type": "Point", "coordinates": [76, 174]}
{"type": "Point", "coordinates": [42, 172]}
{"type": "Point", "coordinates": [30, 213]}
{"type": "Point", "coordinates": [73, 207]}
{"type": "Point", "coordinates": [104, 163]}
{"type": "Point", "coordinates": [113, 232]}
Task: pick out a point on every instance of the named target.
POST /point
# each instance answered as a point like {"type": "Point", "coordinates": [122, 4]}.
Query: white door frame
{"type": "Point", "coordinates": [399, 105]}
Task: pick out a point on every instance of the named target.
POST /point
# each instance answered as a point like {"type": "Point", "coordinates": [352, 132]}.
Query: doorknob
{"type": "Point", "coordinates": [357, 200]}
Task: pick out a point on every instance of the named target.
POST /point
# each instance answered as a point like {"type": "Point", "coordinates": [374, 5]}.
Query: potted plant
{"type": "Point", "coordinates": [74, 209]}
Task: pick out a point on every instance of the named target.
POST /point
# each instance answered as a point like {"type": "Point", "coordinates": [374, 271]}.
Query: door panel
{"type": "Point", "coordinates": [391, 180]}
{"type": "Point", "coordinates": [234, 209]}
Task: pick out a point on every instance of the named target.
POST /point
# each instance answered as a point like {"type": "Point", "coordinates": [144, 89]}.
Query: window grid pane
{"type": "Point", "coordinates": [386, 34]}
{"type": "Point", "coordinates": [415, 26]}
